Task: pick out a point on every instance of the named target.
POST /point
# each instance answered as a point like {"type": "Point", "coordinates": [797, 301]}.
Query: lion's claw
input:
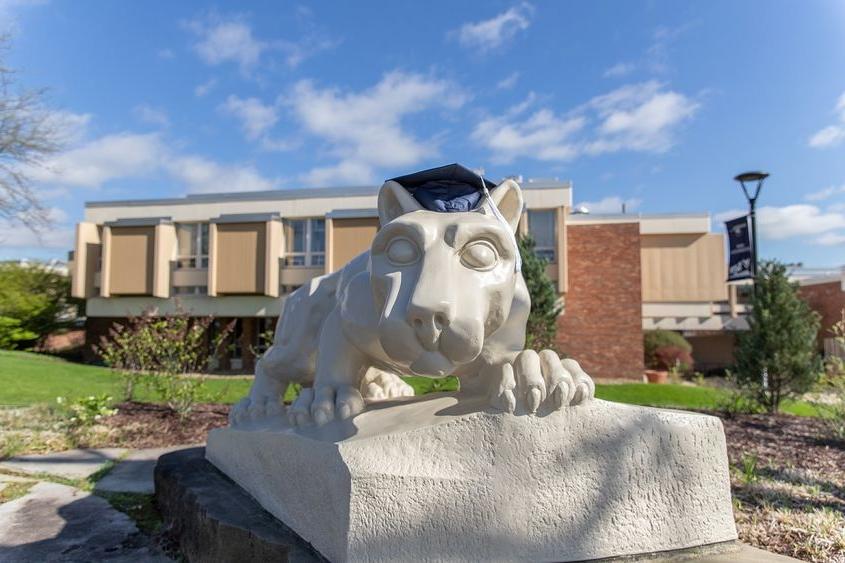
{"type": "Point", "coordinates": [326, 403]}
{"type": "Point", "coordinates": [534, 380]}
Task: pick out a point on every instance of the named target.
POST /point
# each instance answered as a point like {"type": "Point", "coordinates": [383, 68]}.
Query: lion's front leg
{"type": "Point", "coordinates": [335, 394]}
{"type": "Point", "coordinates": [529, 379]}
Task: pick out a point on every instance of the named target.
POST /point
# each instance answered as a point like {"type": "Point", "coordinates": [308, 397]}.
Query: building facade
{"type": "Point", "coordinates": [236, 256]}
{"type": "Point", "coordinates": [825, 293]}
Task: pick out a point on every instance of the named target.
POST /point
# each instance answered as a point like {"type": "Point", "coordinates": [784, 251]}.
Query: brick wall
{"type": "Point", "coordinates": [602, 324]}
{"type": "Point", "coordinates": [828, 300]}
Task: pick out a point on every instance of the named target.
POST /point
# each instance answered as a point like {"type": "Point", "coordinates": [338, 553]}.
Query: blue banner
{"type": "Point", "coordinates": [740, 253]}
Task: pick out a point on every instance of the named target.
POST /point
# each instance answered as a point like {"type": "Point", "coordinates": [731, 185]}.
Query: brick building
{"type": "Point", "coordinates": [825, 293]}
{"type": "Point", "coordinates": [236, 256]}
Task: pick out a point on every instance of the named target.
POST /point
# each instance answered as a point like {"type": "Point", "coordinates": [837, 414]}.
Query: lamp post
{"type": "Point", "coordinates": [752, 178]}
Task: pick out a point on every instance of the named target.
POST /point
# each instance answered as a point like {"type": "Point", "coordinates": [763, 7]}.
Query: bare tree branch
{"type": "Point", "coordinates": [29, 134]}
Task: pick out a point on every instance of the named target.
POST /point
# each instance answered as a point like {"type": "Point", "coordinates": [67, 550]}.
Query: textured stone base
{"type": "Point", "coordinates": [213, 519]}
{"type": "Point", "coordinates": [435, 480]}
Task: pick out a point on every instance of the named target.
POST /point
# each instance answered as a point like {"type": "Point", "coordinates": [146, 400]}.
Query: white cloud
{"type": "Point", "coordinates": [59, 235]}
{"type": "Point", "coordinates": [151, 115]}
{"type": "Point", "coordinates": [612, 204]}
{"type": "Point", "coordinates": [826, 193]}
{"type": "Point", "coordinates": [619, 69]}
{"type": "Point", "coordinates": [364, 129]}
{"type": "Point", "coordinates": [230, 39]}
{"type": "Point", "coordinates": [221, 40]}
{"type": "Point", "coordinates": [114, 156]}
{"type": "Point", "coordinates": [70, 128]}
{"type": "Point", "coordinates": [541, 135]}
{"type": "Point", "coordinates": [638, 117]}
{"type": "Point", "coordinates": [790, 221]}
{"type": "Point", "coordinates": [831, 135]}
{"type": "Point", "coordinates": [202, 89]}
{"type": "Point", "coordinates": [508, 82]}
{"type": "Point", "coordinates": [488, 34]}
{"type": "Point", "coordinates": [202, 175]}
{"type": "Point", "coordinates": [125, 155]}
{"type": "Point", "coordinates": [831, 239]}
{"type": "Point", "coordinates": [255, 117]}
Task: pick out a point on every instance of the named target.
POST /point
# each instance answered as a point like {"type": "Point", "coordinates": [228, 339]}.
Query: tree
{"type": "Point", "coordinates": [34, 301]}
{"type": "Point", "coordinates": [541, 330]}
{"type": "Point", "coordinates": [28, 135]}
{"type": "Point", "coordinates": [777, 357]}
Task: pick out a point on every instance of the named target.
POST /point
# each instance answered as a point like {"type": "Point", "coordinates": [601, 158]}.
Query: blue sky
{"type": "Point", "coordinates": [656, 104]}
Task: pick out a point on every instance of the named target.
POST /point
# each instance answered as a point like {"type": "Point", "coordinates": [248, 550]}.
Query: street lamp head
{"type": "Point", "coordinates": [755, 176]}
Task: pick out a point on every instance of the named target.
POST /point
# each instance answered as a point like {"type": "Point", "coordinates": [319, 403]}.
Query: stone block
{"type": "Point", "coordinates": [435, 479]}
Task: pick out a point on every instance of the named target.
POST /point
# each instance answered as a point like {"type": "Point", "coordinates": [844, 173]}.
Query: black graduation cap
{"type": "Point", "coordinates": [447, 189]}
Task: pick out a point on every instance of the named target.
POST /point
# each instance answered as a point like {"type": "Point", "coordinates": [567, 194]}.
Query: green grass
{"type": "Point", "coordinates": [27, 379]}
{"type": "Point", "coordinates": [682, 397]}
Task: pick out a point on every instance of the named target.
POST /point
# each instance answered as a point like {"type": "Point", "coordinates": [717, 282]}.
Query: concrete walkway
{"type": "Point", "coordinates": [134, 473]}
{"type": "Point", "coordinates": [59, 523]}
{"type": "Point", "coordinates": [71, 464]}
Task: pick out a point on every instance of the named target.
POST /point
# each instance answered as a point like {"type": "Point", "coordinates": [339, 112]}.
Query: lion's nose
{"type": "Point", "coordinates": [429, 322]}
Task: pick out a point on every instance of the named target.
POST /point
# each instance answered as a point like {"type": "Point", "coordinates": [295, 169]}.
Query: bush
{"type": "Point", "coordinates": [541, 329]}
{"type": "Point", "coordinates": [831, 402]}
{"type": "Point", "coordinates": [168, 353]}
{"type": "Point", "coordinates": [34, 301]}
{"type": "Point", "coordinates": [653, 340]}
{"type": "Point", "coordinates": [777, 358]}
{"type": "Point", "coordinates": [673, 358]}
{"type": "Point", "coordinates": [86, 412]}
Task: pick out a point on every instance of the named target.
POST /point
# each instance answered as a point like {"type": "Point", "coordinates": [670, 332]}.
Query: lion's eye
{"type": "Point", "coordinates": [402, 252]}
{"type": "Point", "coordinates": [479, 255]}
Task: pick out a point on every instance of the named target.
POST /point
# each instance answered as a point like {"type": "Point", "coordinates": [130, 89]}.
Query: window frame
{"type": "Point", "coordinates": [198, 260]}
{"type": "Point", "coordinates": [548, 253]}
{"type": "Point", "coordinates": [310, 258]}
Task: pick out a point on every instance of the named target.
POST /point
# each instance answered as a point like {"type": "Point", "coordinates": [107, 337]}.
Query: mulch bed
{"type": "Point", "coordinates": [784, 440]}
{"type": "Point", "coordinates": [146, 425]}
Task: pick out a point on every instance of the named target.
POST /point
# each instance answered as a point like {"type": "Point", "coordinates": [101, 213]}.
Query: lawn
{"type": "Point", "coordinates": [27, 379]}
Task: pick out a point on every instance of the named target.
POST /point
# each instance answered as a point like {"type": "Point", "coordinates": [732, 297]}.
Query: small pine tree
{"type": "Point", "coordinates": [541, 330]}
{"type": "Point", "coordinates": [777, 357]}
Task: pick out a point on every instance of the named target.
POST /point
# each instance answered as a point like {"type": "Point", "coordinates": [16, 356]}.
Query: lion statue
{"type": "Point", "coordinates": [437, 294]}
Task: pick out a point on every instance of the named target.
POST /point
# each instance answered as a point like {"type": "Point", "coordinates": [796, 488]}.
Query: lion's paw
{"type": "Point", "coordinates": [324, 404]}
{"type": "Point", "coordinates": [381, 385]}
{"type": "Point", "coordinates": [255, 410]}
{"type": "Point", "coordinates": [535, 379]}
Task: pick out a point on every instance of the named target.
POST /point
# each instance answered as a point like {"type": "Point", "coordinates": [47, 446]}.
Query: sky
{"type": "Point", "coordinates": [654, 104]}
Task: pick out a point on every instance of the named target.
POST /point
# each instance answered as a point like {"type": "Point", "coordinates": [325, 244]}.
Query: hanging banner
{"type": "Point", "coordinates": [740, 254]}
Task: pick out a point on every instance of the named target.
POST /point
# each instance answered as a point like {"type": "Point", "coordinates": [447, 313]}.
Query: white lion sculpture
{"type": "Point", "coordinates": [437, 294]}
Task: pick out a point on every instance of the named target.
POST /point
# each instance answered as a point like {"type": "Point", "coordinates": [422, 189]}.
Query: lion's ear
{"type": "Point", "coordinates": [507, 196]}
{"type": "Point", "coordinates": [393, 201]}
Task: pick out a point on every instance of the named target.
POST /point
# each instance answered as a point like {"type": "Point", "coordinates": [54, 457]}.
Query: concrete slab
{"type": "Point", "coordinates": [745, 554]}
{"type": "Point", "coordinates": [72, 464]}
{"type": "Point", "coordinates": [59, 523]}
{"type": "Point", "coordinates": [134, 473]}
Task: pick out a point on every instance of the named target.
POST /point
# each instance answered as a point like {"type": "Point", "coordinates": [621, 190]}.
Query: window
{"type": "Point", "coordinates": [305, 242]}
{"type": "Point", "coordinates": [541, 227]}
{"type": "Point", "coordinates": [190, 290]}
{"type": "Point", "coordinates": [192, 245]}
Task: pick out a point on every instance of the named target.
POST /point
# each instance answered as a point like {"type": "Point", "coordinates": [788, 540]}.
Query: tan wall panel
{"type": "Point", "coordinates": [131, 266]}
{"type": "Point", "coordinates": [86, 256]}
{"type": "Point", "coordinates": [683, 267]}
{"type": "Point", "coordinates": [351, 237]}
{"type": "Point", "coordinates": [240, 258]}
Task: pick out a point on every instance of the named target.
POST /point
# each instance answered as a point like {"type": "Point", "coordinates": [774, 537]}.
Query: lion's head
{"type": "Point", "coordinates": [443, 282]}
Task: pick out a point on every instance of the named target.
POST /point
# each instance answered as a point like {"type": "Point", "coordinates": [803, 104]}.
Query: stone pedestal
{"type": "Point", "coordinates": [432, 479]}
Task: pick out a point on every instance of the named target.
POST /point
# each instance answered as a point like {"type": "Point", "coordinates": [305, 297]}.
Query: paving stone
{"type": "Point", "coordinates": [59, 523]}
{"type": "Point", "coordinates": [134, 473]}
{"type": "Point", "coordinates": [72, 464]}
